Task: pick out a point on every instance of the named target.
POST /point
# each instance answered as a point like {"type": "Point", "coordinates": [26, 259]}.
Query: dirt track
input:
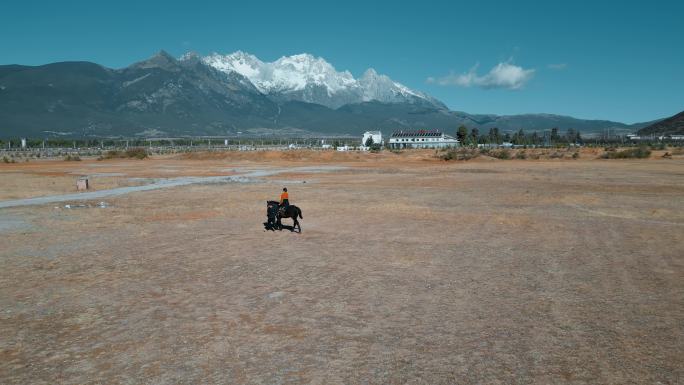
{"type": "Point", "coordinates": [407, 271]}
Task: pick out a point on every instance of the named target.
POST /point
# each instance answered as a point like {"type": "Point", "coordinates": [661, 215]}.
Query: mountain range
{"type": "Point", "coordinates": [225, 94]}
{"type": "Point", "coordinates": [313, 80]}
{"type": "Point", "coordinates": [668, 126]}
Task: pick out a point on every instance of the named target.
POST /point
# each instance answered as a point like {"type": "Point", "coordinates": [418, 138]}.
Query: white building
{"type": "Point", "coordinates": [376, 135]}
{"type": "Point", "coordinates": [421, 139]}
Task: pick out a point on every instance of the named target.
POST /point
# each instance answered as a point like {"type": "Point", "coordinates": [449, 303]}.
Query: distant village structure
{"type": "Point", "coordinates": [375, 135]}
{"type": "Point", "coordinates": [422, 139]}
{"type": "Point", "coordinates": [636, 137]}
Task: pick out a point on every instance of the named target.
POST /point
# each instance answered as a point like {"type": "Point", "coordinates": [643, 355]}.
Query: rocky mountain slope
{"type": "Point", "coordinates": [674, 125]}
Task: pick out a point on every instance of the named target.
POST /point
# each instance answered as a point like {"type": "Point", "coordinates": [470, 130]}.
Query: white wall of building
{"type": "Point", "coordinates": [376, 135]}
{"type": "Point", "coordinates": [423, 142]}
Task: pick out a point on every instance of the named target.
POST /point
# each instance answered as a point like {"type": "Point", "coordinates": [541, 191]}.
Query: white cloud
{"type": "Point", "coordinates": [503, 75]}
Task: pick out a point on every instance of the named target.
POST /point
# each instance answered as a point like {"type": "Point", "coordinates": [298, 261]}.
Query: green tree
{"type": "Point", "coordinates": [494, 136]}
{"type": "Point", "coordinates": [369, 142]}
{"type": "Point", "coordinates": [570, 135]}
{"type": "Point", "coordinates": [474, 134]}
{"type": "Point", "coordinates": [554, 135]}
{"type": "Point", "coordinates": [519, 137]}
{"type": "Point", "coordinates": [461, 134]}
{"type": "Point", "coordinates": [535, 138]}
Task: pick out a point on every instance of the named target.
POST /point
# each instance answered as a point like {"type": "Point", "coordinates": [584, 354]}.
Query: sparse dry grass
{"type": "Point", "coordinates": [407, 271]}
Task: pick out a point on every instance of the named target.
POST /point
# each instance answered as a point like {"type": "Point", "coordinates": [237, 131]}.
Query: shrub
{"type": "Point", "coordinates": [460, 154]}
{"type": "Point", "coordinates": [137, 153]}
{"type": "Point", "coordinates": [521, 155]}
{"type": "Point", "coordinates": [5, 159]}
{"type": "Point", "coordinates": [72, 158]}
{"type": "Point", "coordinates": [501, 154]}
{"type": "Point", "coordinates": [575, 155]}
{"type": "Point", "coordinates": [630, 153]}
{"type": "Point", "coordinates": [556, 155]}
{"type": "Point", "coordinates": [112, 154]}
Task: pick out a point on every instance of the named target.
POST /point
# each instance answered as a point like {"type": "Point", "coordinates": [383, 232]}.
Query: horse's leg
{"type": "Point", "coordinates": [296, 224]}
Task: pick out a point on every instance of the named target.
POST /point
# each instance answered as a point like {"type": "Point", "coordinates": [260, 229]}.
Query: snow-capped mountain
{"type": "Point", "coordinates": [312, 79]}
{"type": "Point", "coordinates": [380, 87]}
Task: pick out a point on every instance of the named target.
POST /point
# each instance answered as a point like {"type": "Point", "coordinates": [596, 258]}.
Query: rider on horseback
{"type": "Point", "coordinates": [284, 200]}
{"type": "Point", "coordinates": [276, 210]}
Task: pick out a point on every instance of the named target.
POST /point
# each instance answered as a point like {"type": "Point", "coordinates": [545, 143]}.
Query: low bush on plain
{"type": "Point", "coordinates": [630, 153]}
{"type": "Point", "coordinates": [460, 154]}
{"type": "Point", "coordinates": [72, 158]}
{"type": "Point", "coordinates": [136, 153]}
{"type": "Point", "coordinates": [501, 154]}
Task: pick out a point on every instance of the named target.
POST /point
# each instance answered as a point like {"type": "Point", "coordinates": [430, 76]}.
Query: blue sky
{"type": "Point", "coordinates": [589, 59]}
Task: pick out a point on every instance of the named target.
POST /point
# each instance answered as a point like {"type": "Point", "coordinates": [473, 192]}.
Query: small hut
{"type": "Point", "coordinates": [82, 184]}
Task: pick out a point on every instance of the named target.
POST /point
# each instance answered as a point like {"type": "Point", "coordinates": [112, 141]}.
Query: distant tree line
{"type": "Point", "coordinates": [495, 136]}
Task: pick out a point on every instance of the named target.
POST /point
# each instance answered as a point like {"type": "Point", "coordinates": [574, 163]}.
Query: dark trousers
{"type": "Point", "coordinates": [285, 203]}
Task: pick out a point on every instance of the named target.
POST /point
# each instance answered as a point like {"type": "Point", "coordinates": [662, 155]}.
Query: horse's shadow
{"type": "Point", "coordinates": [274, 227]}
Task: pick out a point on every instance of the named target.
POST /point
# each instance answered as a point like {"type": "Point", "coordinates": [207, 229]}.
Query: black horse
{"type": "Point", "coordinates": [275, 214]}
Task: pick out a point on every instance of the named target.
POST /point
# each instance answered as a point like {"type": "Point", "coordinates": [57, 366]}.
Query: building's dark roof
{"type": "Point", "coordinates": [416, 133]}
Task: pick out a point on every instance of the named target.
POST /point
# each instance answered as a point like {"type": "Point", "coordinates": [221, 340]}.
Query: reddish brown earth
{"type": "Point", "coordinates": [408, 270]}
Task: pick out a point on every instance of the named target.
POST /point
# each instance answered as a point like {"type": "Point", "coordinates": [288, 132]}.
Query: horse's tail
{"type": "Point", "coordinates": [299, 211]}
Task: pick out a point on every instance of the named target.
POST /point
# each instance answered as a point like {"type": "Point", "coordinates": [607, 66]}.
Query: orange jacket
{"type": "Point", "coordinates": [284, 196]}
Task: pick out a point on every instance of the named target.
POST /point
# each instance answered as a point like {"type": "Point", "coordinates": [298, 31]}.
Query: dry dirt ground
{"type": "Point", "coordinates": [408, 271]}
